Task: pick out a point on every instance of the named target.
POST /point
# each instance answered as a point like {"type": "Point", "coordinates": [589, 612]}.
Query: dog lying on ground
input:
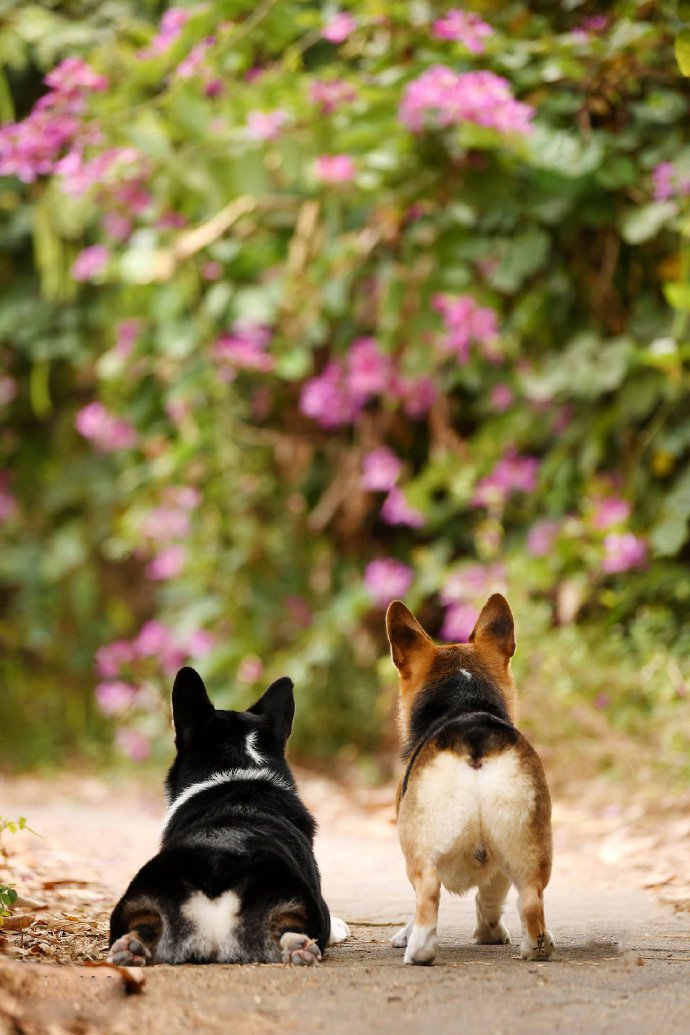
{"type": "Point", "coordinates": [235, 880]}
{"type": "Point", "coordinates": [473, 804]}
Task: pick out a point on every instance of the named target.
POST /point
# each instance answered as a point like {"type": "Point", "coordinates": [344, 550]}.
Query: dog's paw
{"type": "Point", "coordinates": [299, 949]}
{"type": "Point", "coordinates": [399, 939]}
{"type": "Point", "coordinates": [128, 951]}
{"type": "Point", "coordinates": [339, 931]}
{"type": "Point", "coordinates": [421, 946]}
{"type": "Point", "coordinates": [491, 934]}
{"type": "Point", "coordinates": [541, 949]}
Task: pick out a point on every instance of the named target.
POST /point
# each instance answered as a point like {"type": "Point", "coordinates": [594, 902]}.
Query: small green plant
{"type": "Point", "coordinates": [8, 895]}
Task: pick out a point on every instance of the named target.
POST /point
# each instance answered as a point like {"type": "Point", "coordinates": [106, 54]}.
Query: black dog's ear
{"type": "Point", "coordinates": [190, 702]}
{"type": "Point", "coordinates": [277, 705]}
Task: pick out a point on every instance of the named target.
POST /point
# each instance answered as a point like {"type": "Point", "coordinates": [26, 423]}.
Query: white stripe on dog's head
{"type": "Point", "coordinates": [252, 750]}
{"type": "Point", "coordinates": [227, 776]}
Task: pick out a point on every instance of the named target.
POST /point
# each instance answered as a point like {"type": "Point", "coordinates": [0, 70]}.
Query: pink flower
{"type": "Point", "coordinates": [473, 583]}
{"type": "Point", "coordinates": [156, 640]}
{"type": "Point", "coordinates": [8, 390]}
{"type": "Point", "coordinates": [339, 27]}
{"type": "Point", "coordinates": [418, 394]}
{"type": "Point", "coordinates": [165, 523]}
{"type": "Point", "coordinates": [622, 552]}
{"type": "Point", "coordinates": [199, 642]}
{"type": "Point", "coordinates": [610, 511]}
{"type": "Point", "coordinates": [541, 537]}
{"type": "Point", "coordinates": [668, 183]}
{"type": "Point", "coordinates": [190, 65]}
{"type": "Point", "coordinates": [397, 511]}
{"type": "Point", "coordinates": [114, 697]}
{"type": "Point", "coordinates": [463, 27]}
{"type": "Point", "coordinates": [126, 334]}
{"type": "Point", "coordinates": [513, 473]}
{"type": "Point", "coordinates": [265, 125]}
{"type": "Point", "coordinates": [334, 168]}
{"type": "Point", "coordinates": [243, 349]}
{"type": "Point", "coordinates": [74, 76]}
{"type": "Point", "coordinates": [167, 564]}
{"type": "Point", "coordinates": [386, 579]}
{"type": "Point", "coordinates": [211, 270]}
{"type": "Point", "coordinates": [171, 221]}
{"type": "Point", "coordinates": [501, 398]}
{"type": "Point", "coordinates": [90, 262]}
{"type": "Point", "coordinates": [458, 623]}
{"type": "Point", "coordinates": [170, 27]}
{"type": "Point", "coordinates": [132, 744]}
{"type": "Point", "coordinates": [464, 322]}
{"type": "Point", "coordinates": [250, 669]}
{"type": "Point", "coordinates": [112, 657]}
{"type": "Point", "coordinates": [368, 369]}
{"type": "Point", "coordinates": [330, 94]}
{"type": "Point", "coordinates": [185, 496]}
{"type": "Point", "coordinates": [117, 226]}
{"type": "Point", "coordinates": [381, 469]}
{"type": "Point", "coordinates": [327, 399]}
{"type": "Point", "coordinates": [440, 98]}
{"type": "Point", "coordinates": [108, 433]}
{"type": "Point", "coordinates": [214, 88]}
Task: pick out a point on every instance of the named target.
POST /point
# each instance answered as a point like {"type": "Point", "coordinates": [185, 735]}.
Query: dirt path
{"type": "Point", "coordinates": [622, 965]}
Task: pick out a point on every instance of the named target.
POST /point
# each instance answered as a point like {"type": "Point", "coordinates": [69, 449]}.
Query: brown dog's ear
{"type": "Point", "coordinates": [495, 628]}
{"type": "Point", "coordinates": [405, 635]}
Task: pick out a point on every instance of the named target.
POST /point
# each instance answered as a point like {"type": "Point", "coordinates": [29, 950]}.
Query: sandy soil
{"type": "Point", "coordinates": [622, 964]}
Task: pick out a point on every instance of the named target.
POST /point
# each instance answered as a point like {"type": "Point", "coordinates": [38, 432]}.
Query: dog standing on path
{"type": "Point", "coordinates": [473, 804]}
{"type": "Point", "coordinates": [235, 880]}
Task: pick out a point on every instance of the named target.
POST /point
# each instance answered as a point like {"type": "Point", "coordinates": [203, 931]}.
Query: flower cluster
{"type": "Point", "coordinates": [668, 182]}
{"type": "Point", "coordinates": [243, 348]}
{"type": "Point", "coordinates": [90, 262]}
{"type": "Point", "coordinates": [464, 592]}
{"type": "Point", "coordinates": [466, 321]}
{"type": "Point", "coordinates": [194, 61]}
{"type": "Point", "coordinates": [623, 551]}
{"type": "Point", "coordinates": [337, 395]}
{"type": "Point", "coordinates": [380, 470]}
{"type": "Point", "coordinates": [163, 526]}
{"type": "Point", "coordinates": [339, 27]}
{"type": "Point", "coordinates": [512, 473]}
{"type": "Point", "coordinates": [330, 94]}
{"type": "Point", "coordinates": [463, 27]}
{"type": "Point", "coordinates": [30, 148]}
{"type": "Point", "coordinates": [107, 432]}
{"type": "Point", "coordinates": [334, 168]}
{"type": "Point", "coordinates": [265, 125]}
{"type": "Point", "coordinates": [171, 25]}
{"type": "Point", "coordinates": [387, 578]}
{"type": "Point", "coordinates": [440, 97]}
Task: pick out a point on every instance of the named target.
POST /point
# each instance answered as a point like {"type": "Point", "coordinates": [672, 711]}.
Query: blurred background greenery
{"type": "Point", "coordinates": [305, 308]}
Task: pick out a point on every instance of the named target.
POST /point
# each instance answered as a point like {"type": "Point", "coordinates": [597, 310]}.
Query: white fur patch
{"type": "Point", "coordinates": [421, 945]}
{"type": "Point", "coordinates": [213, 920]}
{"type": "Point", "coordinates": [465, 673]}
{"type": "Point", "coordinates": [339, 931]}
{"type": "Point", "coordinates": [227, 776]}
{"type": "Point", "coordinates": [251, 748]}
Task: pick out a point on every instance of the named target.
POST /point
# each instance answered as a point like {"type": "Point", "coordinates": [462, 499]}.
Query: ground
{"type": "Point", "coordinates": [618, 906]}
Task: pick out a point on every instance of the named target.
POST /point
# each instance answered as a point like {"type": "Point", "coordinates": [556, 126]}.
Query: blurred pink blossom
{"type": "Point", "coordinates": [132, 744]}
{"type": "Point", "coordinates": [167, 564]}
{"type": "Point", "coordinates": [327, 399]}
{"type": "Point", "coordinates": [190, 65]}
{"type": "Point", "coordinates": [512, 473]}
{"type": "Point", "coordinates": [368, 369]}
{"type": "Point", "coordinates": [458, 623]}
{"type": "Point", "coordinates": [473, 583]}
{"type": "Point", "coordinates": [397, 511]}
{"type": "Point", "coordinates": [464, 27]}
{"type": "Point", "coordinates": [418, 394]}
{"type": "Point", "coordinates": [265, 125]}
{"type": "Point", "coordinates": [464, 321]}
{"type": "Point", "coordinates": [440, 97]}
{"type": "Point", "coordinates": [170, 27]}
{"type": "Point", "coordinates": [108, 433]}
{"type": "Point", "coordinates": [334, 168]}
{"type": "Point", "coordinates": [339, 27]}
{"type": "Point", "coordinates": [8, 504]}
{"type": "Point", "coordinates": [609, 511]}
{"type": "Point", "coordinates": [74, 76]}
{"type": "Point", "coordinates": [380, 469]}
{"type": "Point", "coordinates": [623, 551]}
{"type": "Point", "coordinates": [244, 348]}
{"type": "Point", "coordinates": [330, 94]}
{"type": "Point", "coordinates": [211, 270]}
{"type": "Point", "coordinates": [114, 697]}
{"type": "Point", "coordinates": [8, 390]}
{"type": "Point", "coordinates": [299, 609]}
{"type": "Point", "coordinates": [250, 669]}
{"type": "Point", "coordinates": [386, 579]}
{"type": "Point", "coordinates": [185, 496]}
{"type": "Point", "coordinates": [111, 658]}
{"type": "Point", "coordinates": [117, 226]}
{"type": "Point", "coordinates": [501, 397]}
{"type": "Point", "coordinates": [90, 262]}
{"type": "Point", "coordinates": [668, 182]}
{"type": "Point", "coordinates": [199, 642]}
{"type": "Point", "coordinates": [541, 537]}
{"type": "Point", "coordinates": [165, 523]}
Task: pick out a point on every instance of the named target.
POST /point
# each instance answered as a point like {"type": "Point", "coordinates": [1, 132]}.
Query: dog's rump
{"type": "Point", "coordinates": [206, 903]}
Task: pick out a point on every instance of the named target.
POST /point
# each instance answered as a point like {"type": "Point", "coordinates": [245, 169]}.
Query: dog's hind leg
{"type": "Point", "coordinates": [537, 943]}
{"type": "Point", "coordinates": [137, 946]}
{"type": "Point", "coordinates": [490, 901]}
{"type": "Point", "coordinates": [399, 939]}
{"type": "Point", "coordinates": [421, 940]}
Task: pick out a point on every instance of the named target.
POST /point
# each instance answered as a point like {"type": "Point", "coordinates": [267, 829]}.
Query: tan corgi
{"type": "Point", "coordinates": [473, 804]}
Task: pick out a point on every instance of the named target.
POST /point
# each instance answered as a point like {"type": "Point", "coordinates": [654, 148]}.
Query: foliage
{"type": "Point", "coordinates": [8, 895]}
{"type": "Point", "coordinates": [309, 309]}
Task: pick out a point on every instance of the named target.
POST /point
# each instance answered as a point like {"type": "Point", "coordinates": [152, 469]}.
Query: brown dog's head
{"type": "Point", "coordinates": [420, 661]}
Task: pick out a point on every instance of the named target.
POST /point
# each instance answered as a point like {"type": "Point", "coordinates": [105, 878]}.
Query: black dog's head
{"type": "Point", "coordinates": [209, 740]}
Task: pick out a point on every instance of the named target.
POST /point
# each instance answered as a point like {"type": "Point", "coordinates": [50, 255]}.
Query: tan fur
{"type": "Point", "coordinates": [465, 823]}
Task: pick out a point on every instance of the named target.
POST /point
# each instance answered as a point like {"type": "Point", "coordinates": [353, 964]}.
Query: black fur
{"type": "Point", "coordinates": [247, 836]}
{"type": "Point", "coordinates": [458, 713]}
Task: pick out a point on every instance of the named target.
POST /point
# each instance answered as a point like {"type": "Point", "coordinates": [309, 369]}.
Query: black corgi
{"type": "Point", "coordinates": [235, 880]}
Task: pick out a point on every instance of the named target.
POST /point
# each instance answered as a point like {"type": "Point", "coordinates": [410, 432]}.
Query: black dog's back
{"type": "Point", "coordinates": [236, 880]}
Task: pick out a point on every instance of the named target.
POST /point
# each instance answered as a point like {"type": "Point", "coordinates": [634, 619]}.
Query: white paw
{"type": "Point", "coordinates": [421, 946]}
{"type": "Point", "coordinates": [491, 934]}
{"type": "Point", "coordinates": [339, 931]}
{"type": "Point", "coordinates": [399, 939]}
{"type": "Point", "coordinates": [541, 949]}
{"type": "Point", "coordinates": [128, 951]}
{"type": "Point", "coordinates": [299, 949]}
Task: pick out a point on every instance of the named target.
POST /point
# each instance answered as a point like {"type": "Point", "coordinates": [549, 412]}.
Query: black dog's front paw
{"type": "Point", "coordinates": [128, 951]}
{"type": "Point", "coordinates": [299, 949]}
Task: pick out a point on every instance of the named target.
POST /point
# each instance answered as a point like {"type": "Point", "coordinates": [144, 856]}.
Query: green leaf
{"type": "Point", "coordinates": [678, 295]}
{"type": "Point", "coordinates": [641, 224]}
{"type": "Point", "coordinates": [682, 51]}
{"type": "Point", "coordinates": [671, 531]}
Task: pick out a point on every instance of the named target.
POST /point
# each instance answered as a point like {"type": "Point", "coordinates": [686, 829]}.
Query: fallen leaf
{"type": "Point", "coordinates": [18, 923]}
